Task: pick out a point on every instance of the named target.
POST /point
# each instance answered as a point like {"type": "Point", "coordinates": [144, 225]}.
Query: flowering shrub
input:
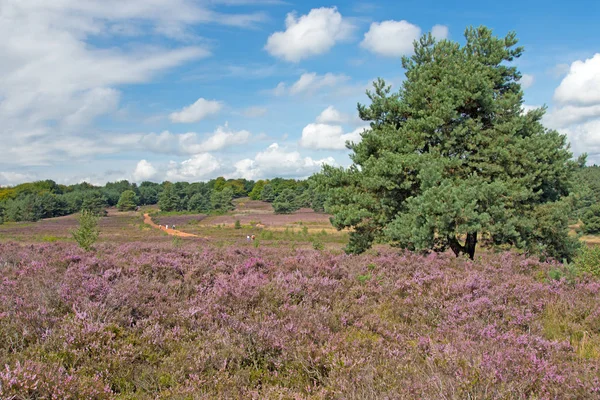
{"type": "Point", "coordinates": [143, 320]}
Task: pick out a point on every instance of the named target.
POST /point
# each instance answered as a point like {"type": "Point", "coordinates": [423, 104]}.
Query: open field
{"type": "Point", "coordinates": [151, 316]}
{"type": "Point", "coordinates": [145, 321]}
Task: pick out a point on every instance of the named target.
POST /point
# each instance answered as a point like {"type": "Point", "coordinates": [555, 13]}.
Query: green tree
{"type": "Point", "coordinates": [128, 201]}
{"type": "Point", "coordinates": [451, 156]}
{"type": "Point", "coordinates": [200, 202]}
{"type": "Point", "coordinates": [94, 202]}
{"type": "Point", "coordinates": [237, 186]}
{"type": "Point", "coordinates": [148, 194]}
{"type": "Point", "coordinates": [591, 220]}
{"type": "Point", "coordinates": [168, 200]}
{"type": "Point", "coordinates": [268, 194]}
{"type": "Point", "coordinates": [221, 201]}
{"type": "Point", "coordinates": [286, 202]}
{"type": "Point", "coordinates": [256, 193]}
{"type": "Point", "coordinates": [87, 233]}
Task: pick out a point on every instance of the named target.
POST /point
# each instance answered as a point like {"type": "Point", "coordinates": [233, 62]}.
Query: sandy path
{"type": "Point", "coordinates": [171, 232]}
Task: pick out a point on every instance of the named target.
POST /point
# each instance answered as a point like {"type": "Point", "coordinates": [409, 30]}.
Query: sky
{"type": "Point", "coordinates": [189, 90]}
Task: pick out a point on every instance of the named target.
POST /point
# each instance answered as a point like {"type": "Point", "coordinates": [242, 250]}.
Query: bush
{"type": "Point", "coordinates": [286, 202]}
{"type": "Point", "coordinates": [591, 220]}
{"type": "Point", "coordinates": [318, 245]}
{"type": "Point", "coordinates": [588, 261]}
{"type": "Point", "coordinates": [238, 225]}
{"type": "Point", "coordinates": [87, 233]}
{"type": "Point", "coordinates": [128, 201]}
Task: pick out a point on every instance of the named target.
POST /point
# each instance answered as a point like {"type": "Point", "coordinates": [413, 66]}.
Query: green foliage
{"type": "Point", "coordinates": [238, 225]}
{"type": "Point", "coordinates": [286, 202]}
{"type": "Point", "coordinates": [148, 193]}
{"type": "Point", "coordinates": [588, 261]}
{"type": "Point", "coordinates": [95, 203]}
{"type": "Point", "coordinates": [87, 233]}
{"type": "Point", "coordinates": [256, 193]}
{"type": "Point", "coordinates": [128, 201]}
{"type": "Point", "coordinates": [586, 190]}
{"type": "Point", "coordinates": [221, 201]}
{"type": "Point", "coordinates": [317, 244]}
{"type": "Point", "coordinates": [451, 158]}
{"type": "Point", "coordinates": [591, 220]}
{"type": "Point", "coordinates": [168, 199]}
{"type": "Point", "coordinates": [237, 186]}
{"type": "Point", "coordinates": [268, 194]}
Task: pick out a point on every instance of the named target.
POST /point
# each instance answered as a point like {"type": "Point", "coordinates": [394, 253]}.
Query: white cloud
{"type": "Point", "coordinates": [144, 171]}
{"type": "Point", "coordinates": [439, 32]}
{"type": "Point", "coordinates": [183, 143]}
{"type": "Point", "coordinates": [577, 112]}
{"type": "Point", "coordinates": [201, 109]}
{"type": "Point", "coordinates": [199, 167]}
{"type": "Point", "coordinates": [527, 81]}
{"type": "Point", "coordinates": [331, 115]}
{"type": "Point", "coordinates": [255, 112]}
{"type": "Point", "coordinates": [328, 137]}
{"type": "Point", "coordinates": [14, 178]}
{"type": "Point", "coordinates": [57, 78]}
{"type": "Point", "coordinates": [391, 38]}
{"type": "Point", "coordinates": [565, 116]}
{"type": "Point", "coordinates": [309, 83]}
{"type": "Point", "coordinates": [220, 139]}
{"type": "Point", "coordinates": [276, 161]}
{"type": "Point", "coordinates": [309, 35]}
{"type": "Point", "coordinates": [581, 86]}
{"type": "Point", "coordinates": [328, 133]}
{"type": "Point", "coordinates": [93, 103]}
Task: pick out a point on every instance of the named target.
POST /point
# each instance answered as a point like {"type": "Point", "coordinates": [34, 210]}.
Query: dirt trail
{"type": "Point", "coordinates": [172, 232]}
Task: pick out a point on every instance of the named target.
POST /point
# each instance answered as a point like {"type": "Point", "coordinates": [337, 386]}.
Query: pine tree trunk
{"type": "Point", "coordinates": [468, 248]}
{"type": "Point", "coordinates": [470, 244]}
{"type": "Point", "coordinates": [456, 247]}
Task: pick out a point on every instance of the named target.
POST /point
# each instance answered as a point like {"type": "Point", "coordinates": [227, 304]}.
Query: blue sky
{"type": "Point", "coordinates": [103, 90]}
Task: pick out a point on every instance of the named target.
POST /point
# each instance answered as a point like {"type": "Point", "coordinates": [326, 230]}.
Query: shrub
{"type": "Point", "coordinates": [591, 220]}
{"type": "Point", "coordinates": [87, 233]}
{"type": "Point", "coordinates": [588, 261]}
{"type": "Point", "coordinates": [238, 225]}
{"type": "Point", "coordinates": [286, 202]}
{"type": "Point", "coordinates": [317, 245]}
{"type": "Point", "coordinates": [128, 201]}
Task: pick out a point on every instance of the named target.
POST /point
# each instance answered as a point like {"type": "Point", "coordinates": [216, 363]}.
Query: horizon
{"type": "Point", "coordinates": [189, 90]}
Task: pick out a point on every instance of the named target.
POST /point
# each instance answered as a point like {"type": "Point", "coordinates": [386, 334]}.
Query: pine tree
{"type": "Point", "coordinates": [128, 201]}
{"type": "Point", "coordinates": [451, 158]}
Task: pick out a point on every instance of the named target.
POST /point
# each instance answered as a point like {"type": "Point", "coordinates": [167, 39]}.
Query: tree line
{"type": "Point", "coordinates": [47, 199]}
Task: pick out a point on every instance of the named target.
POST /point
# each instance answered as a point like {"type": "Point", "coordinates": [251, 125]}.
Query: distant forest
{"type": "Point", "coordinates": [47, 199]}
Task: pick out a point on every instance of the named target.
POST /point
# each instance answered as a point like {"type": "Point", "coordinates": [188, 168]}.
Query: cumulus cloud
{"type": "Point", "coordinates": [57, 78]}
{"type": "Point", "coordinates": [14, 178]}
{"type": "Point", "coordinates": [198, 167]}
{"type": "Point", "coordinates": [328, 133]}
{"type": "Point", "coordinates": [331, 115]}
{"type": "Point", "coordinates": [577, 109]}
{"type": "Point", "coordinates": [581, 86]}
{"type": "Point", "coordinates": [328, 137]}
{"type": "Point", "coordinates": [309, 83]}
{"type": "Point", "coordinates": [277, 161]}
{"type": "Point", "coordinates": [201, 109]}
{"type": "Point", "coordinates": [144, 171]}
{"type": "Point", "coordinates": [391, 38]}
{"type": "Point", "coordinates": [167, 142]}
{"type": "Point", "coordinates": [309, 35]}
